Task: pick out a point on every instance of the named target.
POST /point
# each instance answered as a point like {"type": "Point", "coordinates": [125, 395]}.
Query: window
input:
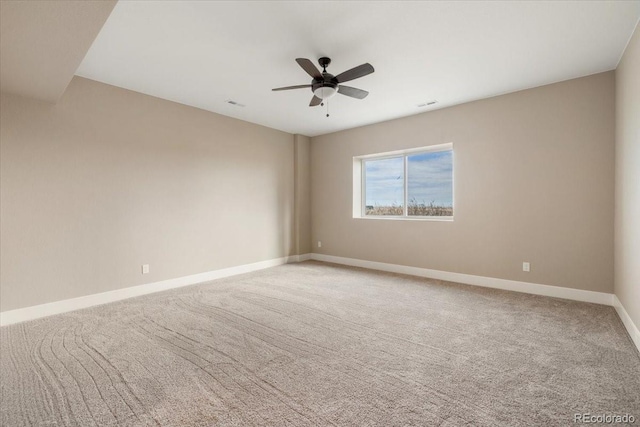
{"type": "Point", "coordinates": [408, 184]}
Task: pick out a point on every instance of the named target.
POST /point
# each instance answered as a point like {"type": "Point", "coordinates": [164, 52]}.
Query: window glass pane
{"type": "Point", "coordinates": [384, 183]}
{"type": "Point", "coordinates": [430, 189]}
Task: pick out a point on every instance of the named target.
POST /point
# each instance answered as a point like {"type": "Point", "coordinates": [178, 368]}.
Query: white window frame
{"type": "Point", "coordinates": [359, 183]}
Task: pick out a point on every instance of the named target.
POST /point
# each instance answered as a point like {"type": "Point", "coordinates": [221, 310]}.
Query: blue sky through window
{"type": "Point", "coordinates": [385, 182]}
{"type": "Point", "coordinates": [430, 180]}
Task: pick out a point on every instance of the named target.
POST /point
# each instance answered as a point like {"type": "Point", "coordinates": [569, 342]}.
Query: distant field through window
{"type": "Point", "coordinates": [412, 183]}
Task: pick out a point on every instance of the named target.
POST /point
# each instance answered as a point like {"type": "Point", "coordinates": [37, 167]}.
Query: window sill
{"type": "Point", "coordinates": [408, 218]}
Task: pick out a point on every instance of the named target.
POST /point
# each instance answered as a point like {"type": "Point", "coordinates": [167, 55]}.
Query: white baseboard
{"type": "Point", "coordinates": [304, 257]}
{"type": "Point", "coordinates": [634, 333]}
{"type": "Point", "coordinates": [487, 282]}
{"type": "Point", "coordinates": [58, 307]}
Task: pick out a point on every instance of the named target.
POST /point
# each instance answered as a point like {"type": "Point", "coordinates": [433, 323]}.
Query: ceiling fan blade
{"type": "Point", "coordinates": [354, 73]}
{"type": "Point", "coordinates": [309, 68]}
{"type": "Point", "coordinates": [352, 92]}
{"type": "Point", "coordinates": [292, 87]}
{"type": "Point", "coordinates": [315, 101]}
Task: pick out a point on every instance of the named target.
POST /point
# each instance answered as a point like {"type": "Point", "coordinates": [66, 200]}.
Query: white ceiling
{"type": "Point", "coordinates": [203, 53]}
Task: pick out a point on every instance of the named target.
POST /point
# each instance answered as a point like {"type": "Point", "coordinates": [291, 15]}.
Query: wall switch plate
{"type": "Point", "coordinates": [526, 266]}
{"type": "Point", "coordinates": [319, 244]}
{"type": "Point", "coordinates": [145, 269]}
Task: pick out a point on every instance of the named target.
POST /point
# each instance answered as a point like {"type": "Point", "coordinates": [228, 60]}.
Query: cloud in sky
{"type": "Point", "coordinates": [384, 182]}
{"type": "Point", "coordinates": [430, 179]}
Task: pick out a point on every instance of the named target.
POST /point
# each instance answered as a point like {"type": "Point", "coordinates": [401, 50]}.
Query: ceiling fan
{"type": "Point", "coordinates": [325, 85]}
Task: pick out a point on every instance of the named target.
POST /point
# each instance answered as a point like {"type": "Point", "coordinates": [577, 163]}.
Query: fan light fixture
{"type": "Point", "coordinates": [325, 92]}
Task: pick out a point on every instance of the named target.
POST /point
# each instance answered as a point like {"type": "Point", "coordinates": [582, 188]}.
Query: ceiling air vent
{"type": "Point", "coordinates": [427, 104]}
{"type": "Point", "coordinates": [232, 102]}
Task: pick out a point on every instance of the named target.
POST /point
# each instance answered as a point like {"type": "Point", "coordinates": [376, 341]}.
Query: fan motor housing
{"type": "Point", "coordinates": [328, 80]}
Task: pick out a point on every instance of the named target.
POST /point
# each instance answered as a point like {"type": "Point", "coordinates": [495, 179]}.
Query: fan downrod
{"type": "Point", "coordinates": [324, 63]}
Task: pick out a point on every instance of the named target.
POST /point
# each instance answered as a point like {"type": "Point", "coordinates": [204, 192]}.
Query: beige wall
{"type": "Point", "coordinates": [627, 219]}
{"type": "Point", "coordinates": [42, 43]}
{"type": "Point", "coordinates": [108, 179]}
{"type": "Point", "coordinates": [302, 168]}
{"type": "Point", "coordinates": [534, 181]}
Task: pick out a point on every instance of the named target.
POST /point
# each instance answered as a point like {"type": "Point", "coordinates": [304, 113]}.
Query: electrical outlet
{"type": "Point", "coordinates": [319, 244]}
{"type": "Point", "coordinates": [526, 267]}
{"type": "Point", "coordinates": [145, 269]}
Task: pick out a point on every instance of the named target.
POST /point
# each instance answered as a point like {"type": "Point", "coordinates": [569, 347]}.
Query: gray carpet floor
{"type": "Point", "coordinates": [319, 344]}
